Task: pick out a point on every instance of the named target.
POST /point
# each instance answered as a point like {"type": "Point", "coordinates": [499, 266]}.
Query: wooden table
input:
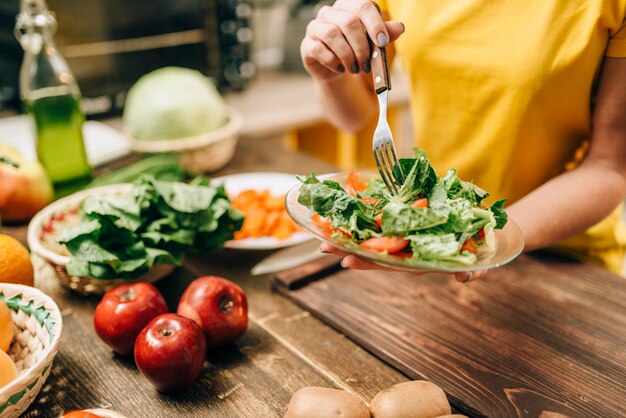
{"type": "Point", "coordinates": [284, 349]}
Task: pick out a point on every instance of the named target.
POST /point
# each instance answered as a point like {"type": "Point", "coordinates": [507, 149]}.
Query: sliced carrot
{"type": "Point", "coordinates": [284, 229]}
{"type": "Point", "coordinates": [253, 222]}
{"type": "Point", "coordinates": [271, 221]}
{"type": "Point", "coordinates": [420, 203]}
{"type": "Point", "coordinates": [264, 215]}
{"type": "Point", "coordinates": [245, 198]}
{"type": "Point", "coordinates": [275, 203]}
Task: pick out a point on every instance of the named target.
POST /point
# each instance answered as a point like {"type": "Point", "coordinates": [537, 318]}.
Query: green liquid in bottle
{"type": "Point", "coordinates": [60, 146]}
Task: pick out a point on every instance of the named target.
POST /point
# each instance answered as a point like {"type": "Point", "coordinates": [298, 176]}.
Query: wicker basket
{"type": "Point", "coordinates": [198, 154]}
{"type": "Point", "coordinates": [38, 231]}
{"type": "Point", "coordinates": [38, 326]}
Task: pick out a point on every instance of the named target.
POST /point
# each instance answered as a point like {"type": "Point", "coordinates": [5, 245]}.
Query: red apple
{"type": "Point", "coordinates": [124, 311]}
{"type": "Point", "coordinates": [170, 352]}
{"type": "Point", "coordinates": [219, 306]}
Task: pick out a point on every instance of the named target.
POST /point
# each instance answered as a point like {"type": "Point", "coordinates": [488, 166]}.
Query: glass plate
{"type": "Point", "coordinates": [509, 240]}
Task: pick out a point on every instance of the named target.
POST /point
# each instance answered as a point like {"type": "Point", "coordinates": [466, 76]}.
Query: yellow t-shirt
{"type": "Point", "coordinates": [502, 90]}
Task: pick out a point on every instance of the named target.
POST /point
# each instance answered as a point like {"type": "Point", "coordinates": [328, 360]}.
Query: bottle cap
{"type": "Point", "coordinates": [33, 14]}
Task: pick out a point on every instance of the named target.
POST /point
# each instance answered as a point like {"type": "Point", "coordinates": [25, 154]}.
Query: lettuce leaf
{"type": "Point", "coordinates": [445, 247]}
{"type": "Point", "coordinates": [332, 202]}
{"type": "Point", "coordinates": [402, 219]}
{"type": "Point", "coordinates": [497, 208]}
{"type": "Point", "coordinates": [158, 222]}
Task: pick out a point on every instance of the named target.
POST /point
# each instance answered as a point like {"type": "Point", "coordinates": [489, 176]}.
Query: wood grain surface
{"type": "Point", "coordinates": [543, 334]}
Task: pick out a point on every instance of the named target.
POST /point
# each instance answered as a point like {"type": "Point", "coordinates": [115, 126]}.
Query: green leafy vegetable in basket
{"type": "Point", "coordinates": [431, 219]}
{"type": "Point", "coordinates": [160, 166]}
{"type": "Point", "coordinates": [158, 222]}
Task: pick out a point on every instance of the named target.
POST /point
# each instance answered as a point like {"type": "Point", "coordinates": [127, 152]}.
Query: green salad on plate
{"type": "Point", "coordinates": [431, 219]}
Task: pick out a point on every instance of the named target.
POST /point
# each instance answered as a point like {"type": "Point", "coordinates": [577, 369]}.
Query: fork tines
{"type": "Point", "coordinates": [389, 166]}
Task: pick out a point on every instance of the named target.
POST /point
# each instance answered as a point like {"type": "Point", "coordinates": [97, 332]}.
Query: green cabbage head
{"type": "Point", "coordinates": [172, 103]}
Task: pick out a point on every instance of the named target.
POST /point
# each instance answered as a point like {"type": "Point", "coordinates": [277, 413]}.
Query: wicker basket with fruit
{"type": "Point", "coordinates": [32, 325]}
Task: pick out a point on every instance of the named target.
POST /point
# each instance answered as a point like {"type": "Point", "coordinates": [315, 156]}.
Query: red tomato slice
{"type": "Point", "coordinates": [354, 185]}
{"type": "Point", "coordinates": [420, 203]}
{"type": "Point", "coordinates": [470, 245]}
{"type": "Point", "coordinates": [481, 233]}
{"type": "Point", "coordinates": [389, 244]}
{"type": "Point", "coordinates": [403, 254]}
{"type": "Point", "coordinates": [379, 219]}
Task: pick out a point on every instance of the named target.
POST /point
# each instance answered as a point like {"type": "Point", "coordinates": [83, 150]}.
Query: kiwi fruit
{"type": "Point", "coordinates": [416, 399]}
{"type": "Point", "coordinates": [318, 402]}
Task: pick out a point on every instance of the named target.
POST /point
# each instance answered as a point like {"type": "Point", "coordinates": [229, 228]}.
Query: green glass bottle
{"type": "Point", "coordinates": [50, 94]}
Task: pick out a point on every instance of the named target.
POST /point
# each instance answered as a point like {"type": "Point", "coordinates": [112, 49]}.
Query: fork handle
{"type": "Point", "coordinates": [380, 73]}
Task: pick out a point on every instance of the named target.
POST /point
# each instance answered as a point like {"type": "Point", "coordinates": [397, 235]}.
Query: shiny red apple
{"type": "Point", "coordinates": [170, 352]}
{"type": "Point", "coordinates": [219, 306]}
{"type": "Point", "coordinates": [124, 311]}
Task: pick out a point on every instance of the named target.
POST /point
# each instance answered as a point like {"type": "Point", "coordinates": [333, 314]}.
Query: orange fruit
{"type": "Point", "coordinates": [15, 265]}
{"type": "Point", "coordinates": [81, 414]}
{"type": "Point", "coordinates": [8, 372]}
{"type": "Point", "coordinates": [6, 326]}
{"type": "Point", "coordinates": [93, 413]}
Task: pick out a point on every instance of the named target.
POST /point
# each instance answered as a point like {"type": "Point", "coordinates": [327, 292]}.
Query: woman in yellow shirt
{"type": "Point", "coordinates": [526, 99]}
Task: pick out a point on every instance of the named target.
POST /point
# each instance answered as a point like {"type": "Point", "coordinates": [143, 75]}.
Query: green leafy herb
{"type": "Point", "coordinates": [157, 222]}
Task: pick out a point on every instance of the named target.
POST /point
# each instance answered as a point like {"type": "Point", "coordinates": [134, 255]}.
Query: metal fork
{"type": "Point", "coordinates": [382, 144]}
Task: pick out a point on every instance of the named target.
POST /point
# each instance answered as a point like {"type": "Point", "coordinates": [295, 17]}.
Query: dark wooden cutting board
{"type": "Point", "coordinates": [543, 334]}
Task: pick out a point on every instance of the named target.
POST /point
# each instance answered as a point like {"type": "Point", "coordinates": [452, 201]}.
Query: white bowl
{"type": "Point", "coordinates": [38, 230]}
{"type": "Point", "coordinates": [38, 325]}
{"type": "Point", "coordinates": [202, 153]}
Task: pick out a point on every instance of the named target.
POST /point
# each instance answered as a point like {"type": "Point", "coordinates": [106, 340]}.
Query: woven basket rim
{"type": "Point", "coordinates": [226, 131]}
{"type": "Point", "coordinates": [25, 377]}
{"type": "Point", "coordinates": [36, 225]}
